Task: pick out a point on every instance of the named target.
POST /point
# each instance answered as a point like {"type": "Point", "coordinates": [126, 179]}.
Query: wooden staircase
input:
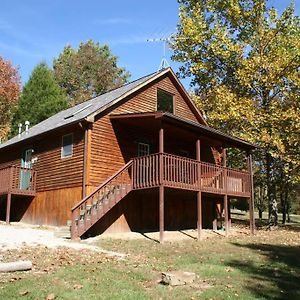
{"type": "Point", "coordinates": [93, 207]}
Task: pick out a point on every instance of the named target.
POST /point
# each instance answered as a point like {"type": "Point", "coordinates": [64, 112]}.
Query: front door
{"type": "Point", "coordinates": [25, 174]}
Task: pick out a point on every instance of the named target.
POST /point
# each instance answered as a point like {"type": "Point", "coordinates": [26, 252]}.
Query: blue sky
{"type": "Point", "coordinates": [32, 31]}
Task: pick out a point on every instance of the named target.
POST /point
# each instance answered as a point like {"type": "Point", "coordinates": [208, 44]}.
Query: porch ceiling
{"type": "Point", "coordinates": [156, 119]}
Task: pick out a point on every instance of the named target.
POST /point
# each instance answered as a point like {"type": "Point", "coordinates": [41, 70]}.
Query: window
{"type": "Point", "coordinates": [143, 149]}
{"type": "Point", "coordinates": [165, 101]}
{"type": "Point", "coordinates": [67, 145]}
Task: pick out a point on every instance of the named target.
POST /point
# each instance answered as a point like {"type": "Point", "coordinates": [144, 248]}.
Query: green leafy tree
{"type": "Point", "coordinates": [244, 59]}
{"type": "Point", "coordinates": [10, 87]}
{"type": "Point", "coordinates": [40, 99]}
{"type": "Point", "coordinates": [88, 71]}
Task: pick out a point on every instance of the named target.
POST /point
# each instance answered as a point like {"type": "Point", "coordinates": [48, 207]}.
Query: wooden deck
{"type": "Point", "coordinates": [184, 173]}
{"type": "Point", "coordinates": [156, 171]}
{"type": "Point", "coordinates": [15, 180]}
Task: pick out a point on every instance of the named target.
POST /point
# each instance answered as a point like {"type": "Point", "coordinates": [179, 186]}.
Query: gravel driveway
{"type": "Point", "coordinates": [20, 235]}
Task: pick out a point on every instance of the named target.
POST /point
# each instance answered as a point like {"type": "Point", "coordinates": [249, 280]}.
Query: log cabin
{"type": "Point", "coordinates": [138, 158]}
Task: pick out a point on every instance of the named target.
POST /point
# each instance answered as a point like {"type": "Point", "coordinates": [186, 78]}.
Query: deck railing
{"type": "Point", "coordinates": [17, 180]}
{"type": "Point", "coordinates": [185, 173]}
{"type": "Point", "coordinates": [94, 206]}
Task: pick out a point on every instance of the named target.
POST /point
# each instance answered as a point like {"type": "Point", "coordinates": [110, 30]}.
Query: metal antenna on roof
{"type": "Point", "coordinates": [164, 63]}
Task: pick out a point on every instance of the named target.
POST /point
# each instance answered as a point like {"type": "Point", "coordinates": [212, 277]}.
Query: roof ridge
{"type": "Point", "coordinates": [116, 88]}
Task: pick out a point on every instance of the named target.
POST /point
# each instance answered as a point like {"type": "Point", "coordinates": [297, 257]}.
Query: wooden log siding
{"type": "Point", "coordinates": [53, 172]}
{"type": "Point", "coordinates": [106, 155]}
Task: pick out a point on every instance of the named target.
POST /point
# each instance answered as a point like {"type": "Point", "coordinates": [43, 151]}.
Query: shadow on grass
{"type": "Point", "coordinates": [278, 277]}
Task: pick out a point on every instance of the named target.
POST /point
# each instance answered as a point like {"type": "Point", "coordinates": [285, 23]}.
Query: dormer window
{"type": "Point", "coordinates": [165, 101]}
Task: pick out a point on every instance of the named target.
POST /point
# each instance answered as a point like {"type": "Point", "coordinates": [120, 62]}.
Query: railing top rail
{"type": "Point", "coordinates": [192, 160]}
{"type": "Point", "coordinates": [143, 156]}
{"type": "Point", "coordinates": [103, 184]}
{"type": "Point", "coordinates": [227, 168]}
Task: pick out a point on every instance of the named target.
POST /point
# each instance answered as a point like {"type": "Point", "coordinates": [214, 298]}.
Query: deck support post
{"type": "Point", "coordinates": [8, 205]}
{"type": "Point", "coordinates": [199, 196]}
{"type": "Point", "coordinates": [161, 214]}
{"type": "Point", "coordinates": [161, 186]}
{"type": "Point", "coordinates": [199, 215]}
{"type": "Point", "coordinates": [215, 216]}
{"type": "Point", "coordinates": [226, 205]}
{"type": "Point", "coordinates": [229, 215]}
{"type": "Point", "coordinates": [251, 198]}
{"type": "Point", "coordinates": [226, 215]}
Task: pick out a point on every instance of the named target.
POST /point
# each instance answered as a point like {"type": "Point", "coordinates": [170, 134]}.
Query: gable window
{"type": "Point", "coordinates": [165, 101]}
{"type": "Point", "coordinates": [67, 145]}
{"type": "Point", "coordinates": [143, 149]}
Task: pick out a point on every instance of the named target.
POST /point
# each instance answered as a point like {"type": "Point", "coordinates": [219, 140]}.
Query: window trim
{"type": "Point", "coordinates": [62, 146]}
{"type": "Point", "coordinates": [143, 144]}
{"type": "Point", "coordinates": [166, 92]}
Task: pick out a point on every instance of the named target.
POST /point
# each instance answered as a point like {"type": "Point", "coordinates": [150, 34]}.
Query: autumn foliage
{"type": "Point", "coordinates": [244, 58]}
{"type": "Point", "coordinates": [10, 86]}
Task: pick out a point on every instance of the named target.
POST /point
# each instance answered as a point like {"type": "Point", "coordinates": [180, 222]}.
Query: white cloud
{"type": "Point", "coordinates": [113, 21]}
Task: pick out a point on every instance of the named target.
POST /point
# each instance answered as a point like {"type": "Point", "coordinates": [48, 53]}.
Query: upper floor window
{"type": "Point", "coordinates": [67, 145]}
{"type": "Point", "coordinates": [165, 101]}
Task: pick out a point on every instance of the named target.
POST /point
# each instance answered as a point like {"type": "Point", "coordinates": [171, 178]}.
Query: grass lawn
{"type": "Point", "coordinates": [266, 266]}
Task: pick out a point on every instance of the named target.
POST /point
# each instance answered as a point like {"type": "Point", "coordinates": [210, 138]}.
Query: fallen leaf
{"type": "Point", "coordinates": [23, 293]}
{"type": "Point", "coordinates": [50, 296]}
{"type": "Point", "coordinates": [77, 286]}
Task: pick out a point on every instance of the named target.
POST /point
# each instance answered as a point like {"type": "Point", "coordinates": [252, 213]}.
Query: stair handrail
{"type": "Point", "coordinates": [103, 184]}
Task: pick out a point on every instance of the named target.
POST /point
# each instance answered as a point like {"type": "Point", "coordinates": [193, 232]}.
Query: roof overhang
{"type": "Point", "coordinates": [197, 128]}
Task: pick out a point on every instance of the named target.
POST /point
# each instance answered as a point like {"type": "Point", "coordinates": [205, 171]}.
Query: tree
{"type": "Point", "coordinates": [40, 99]}
{"type": "Point", "coordinates": [244, 59]}
{"type": "Point", "coordinates": [88, 71]}
{"type": "Point", "coordinates": [10, 86]}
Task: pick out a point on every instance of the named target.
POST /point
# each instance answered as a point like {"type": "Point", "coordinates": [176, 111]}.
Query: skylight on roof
{"type": "Point", "coordinates": [78, 111]}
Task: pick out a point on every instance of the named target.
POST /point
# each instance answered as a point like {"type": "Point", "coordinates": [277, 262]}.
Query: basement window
{"type": "Point", "coordinates": [165, 101]}
{"type": "Point", "coordinates": [67, 145]}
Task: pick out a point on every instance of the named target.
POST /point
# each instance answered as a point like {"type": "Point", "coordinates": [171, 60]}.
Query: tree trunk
{"type": "Point", "coordinates": [260, 214]}
{"type": "Point", "coordinates": [283, 206]}
{"type": "Point", "coordinates": [268, 173]}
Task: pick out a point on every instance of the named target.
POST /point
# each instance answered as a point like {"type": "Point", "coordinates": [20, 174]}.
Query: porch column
{"type": "Point", "coordinates": [86, 160]}
{"type": "Point", "coordinates": [8, 205]}
{"type": "Point", "coordinates": [199, 202]}
{"type": "Point", "coordinates": [251, 198]}
{"type": "Point", "coordinates": [161, 187]}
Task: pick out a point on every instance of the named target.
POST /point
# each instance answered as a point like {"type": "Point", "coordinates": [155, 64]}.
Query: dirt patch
{"type": "Point", "coordinates": [170, 236]}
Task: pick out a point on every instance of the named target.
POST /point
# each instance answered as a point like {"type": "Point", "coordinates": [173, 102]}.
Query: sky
{"type": "Point", "coordinates": [33, 31]}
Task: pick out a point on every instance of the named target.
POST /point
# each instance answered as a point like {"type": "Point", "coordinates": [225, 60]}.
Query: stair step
{"type": "Point", "coordinates": [95, 208]}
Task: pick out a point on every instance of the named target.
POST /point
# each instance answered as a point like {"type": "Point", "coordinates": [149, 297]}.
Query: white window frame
{"type": "Point", "coordinates": [62, 146]}
{"type": "Point", "coordinates": [143, 149]}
